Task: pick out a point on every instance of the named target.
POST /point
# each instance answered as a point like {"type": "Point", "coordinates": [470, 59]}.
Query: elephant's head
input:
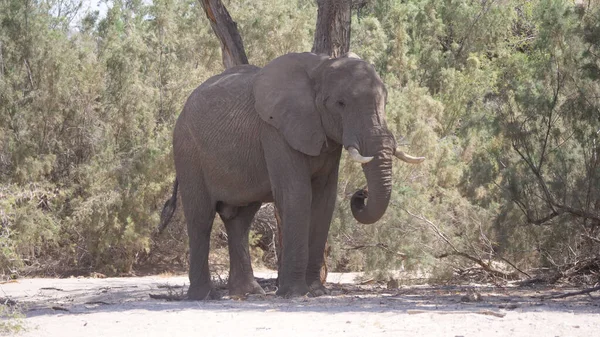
{"type": "Point", "coordinates": [311, 98]}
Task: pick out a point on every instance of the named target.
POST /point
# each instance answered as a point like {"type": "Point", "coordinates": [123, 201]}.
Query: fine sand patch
{"type": "Point", "coordinates": [122, 307]}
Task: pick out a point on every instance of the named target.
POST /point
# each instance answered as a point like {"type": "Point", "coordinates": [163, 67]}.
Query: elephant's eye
{"type": "Point", "coordinates": [341, 104]}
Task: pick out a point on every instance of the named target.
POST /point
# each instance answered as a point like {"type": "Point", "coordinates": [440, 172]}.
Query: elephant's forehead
{"type": "Point", "coordinates": [355, 72]}
{"type": "Point", "coordinates": [362, 85]}
{"type": "Point", "coordinates": [353, 66]}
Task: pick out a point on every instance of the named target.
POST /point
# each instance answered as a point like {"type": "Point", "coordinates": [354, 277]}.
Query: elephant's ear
{"type": "Point", "coordinates": [285, 98]}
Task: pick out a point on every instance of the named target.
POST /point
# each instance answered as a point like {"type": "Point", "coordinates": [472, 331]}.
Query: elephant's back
{"type": "Point", "coordinates": [223, 106]}
{"type": "Point", "coordinates": [218, 132]}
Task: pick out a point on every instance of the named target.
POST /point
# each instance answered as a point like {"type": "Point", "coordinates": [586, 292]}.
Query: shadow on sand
{"type": "Point", "coordinates": [125, 294]}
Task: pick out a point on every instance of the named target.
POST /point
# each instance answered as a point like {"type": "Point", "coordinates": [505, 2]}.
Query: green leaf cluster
{"type": "Point", "coordinates": [502, 97]}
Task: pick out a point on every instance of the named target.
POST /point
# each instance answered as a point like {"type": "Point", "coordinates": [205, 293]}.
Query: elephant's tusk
{"type": "Point", "coordinates": [355, 155]}
{"type": "Point", "coordinates": [408, 158]}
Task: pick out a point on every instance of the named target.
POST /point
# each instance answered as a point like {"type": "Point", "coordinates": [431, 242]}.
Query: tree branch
{"type": "Point", "coordinates": [512, 265]}
{"type": "Point", "coordinates": [543, 220]}
{"type": "Point", "coordinates": [482, 264]}
{"type": "Point", "coordinates": [376, 245]}
{"type": "Point", "coordinates": [484, 10]}
{"type": "Point", "coordinates": [549, 126]}
{"type": "Point", "coordinates": [548, 196]}
{"type": "Point", "coordinates": [485, 266]}
{"type": "Point", "coordinates": [578, 212]}
{"type": "Point", "coordinates": [29, 73]}
{"type": "Point", "coordinates": [226, 30]}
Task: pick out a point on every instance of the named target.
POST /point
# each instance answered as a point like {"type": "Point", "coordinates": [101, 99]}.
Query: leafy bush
{"type": "Point", "coordinates": [502, 99]}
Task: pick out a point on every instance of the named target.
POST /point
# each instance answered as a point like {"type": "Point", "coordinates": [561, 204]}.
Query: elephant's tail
{"type": "Point", "coordinates": [168, 209]}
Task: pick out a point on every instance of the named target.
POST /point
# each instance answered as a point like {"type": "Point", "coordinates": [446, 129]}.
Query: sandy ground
{"type": "Point", "coordinates": [123, 307]}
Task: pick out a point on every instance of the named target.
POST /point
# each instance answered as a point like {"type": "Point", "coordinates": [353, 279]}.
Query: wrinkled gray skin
{"type": "Point", "coordinates": [252, 135]}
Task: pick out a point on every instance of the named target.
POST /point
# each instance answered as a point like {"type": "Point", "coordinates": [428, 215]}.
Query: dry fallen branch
{"type": "Point", "coordinates": [168, 297]}
{"type": "Point", "coordinates": [551, 279]}
{"type": "Point", "coordinates": [456, 252]}
{"type": "Point", "coordinates": [483, 265]}
{"type": "Point", "coordinates": [512, 265]}
{"type": "Point", "coordinates": [59, 308]}
{"type": "Point", "coordinates": [575, 293]}
{"type": "Point", "coordinates": [480, 312]}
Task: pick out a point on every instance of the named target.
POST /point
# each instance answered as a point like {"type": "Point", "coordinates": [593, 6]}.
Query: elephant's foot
{"type": "Point", "coordinates": [293, 290]}
{"type": "Point", "coordinates": [203, 293]}
{"type": "Point", "coordinates": [242, 289]}
{"type": "Point", "coordinates": [317, 289]}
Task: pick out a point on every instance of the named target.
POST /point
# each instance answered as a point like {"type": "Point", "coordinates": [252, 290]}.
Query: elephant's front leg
{"type": "Point", "coordinates": [293, 202]}
{"type": "Point", "coordinates": [289, 174]}
{"type": "Point", "coordinates": [324, 189]}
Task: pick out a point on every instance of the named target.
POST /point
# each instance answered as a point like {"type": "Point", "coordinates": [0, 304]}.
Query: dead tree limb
{"type": "Point", "coordinates": [225, 28]}
{"type": "Point", "coordinates": [377, 245]}
{"type": "Point", "coordinates": [575, 293]}
{"type": "Point", "coordinates": [486, 267]}
{"type": "Point", "coordinates": [456, 252]}
{"type": "Point", "coordinates": [513, 265]}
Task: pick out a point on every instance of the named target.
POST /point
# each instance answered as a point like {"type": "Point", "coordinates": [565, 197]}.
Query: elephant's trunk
{"type": "Point", "coordinates": [379, 187]}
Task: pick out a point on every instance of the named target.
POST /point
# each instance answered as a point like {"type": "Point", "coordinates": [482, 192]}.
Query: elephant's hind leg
{"type": "Point", "coordinates": [199, 214]}
{"type": "Point", "coordinates": [237, 223]}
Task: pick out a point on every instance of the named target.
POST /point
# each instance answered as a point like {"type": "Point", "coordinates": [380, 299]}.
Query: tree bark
{"type": "Point", "coordinates": [232, 47]}
{"type": "Point", "coordinates": [332, 36]}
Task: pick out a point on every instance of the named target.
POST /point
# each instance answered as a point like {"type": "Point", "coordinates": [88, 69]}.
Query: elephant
{"type": "Point", "coordinates": [254, 135]}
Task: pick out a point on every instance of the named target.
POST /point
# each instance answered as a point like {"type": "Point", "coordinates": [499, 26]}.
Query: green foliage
{"type": "Point", "coordinates": [272, 28]}
{"type": "Point", "coordinates": [501, 97]}
{"type": "Point", "coordinates": [99, 156]}
{"type": "Point", "coordinates": [11, 319]}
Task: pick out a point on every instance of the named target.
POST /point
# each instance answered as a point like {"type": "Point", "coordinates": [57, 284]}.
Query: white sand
{"type": "Point", "coordinates": [122, 307]}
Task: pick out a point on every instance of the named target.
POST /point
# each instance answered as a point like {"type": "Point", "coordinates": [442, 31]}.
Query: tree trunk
{"type": "Point", "coordinates": [332, 36]}
{"type": "Point", "coordinates": [232, 47]}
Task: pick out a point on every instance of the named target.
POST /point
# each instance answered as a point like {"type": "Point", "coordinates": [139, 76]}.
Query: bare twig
{"type": "Point", "coordinates": [1, 61]}
{"type": "Point", "coordinates": [483, 11]}
{"type": "Point", "coordinates": [482, 264]}
{"type": "Point", "coordinates": [29, 73]}
{"type": "Point", "coordinates": [549, 126]}
{"type": "Point", "coordinates": [376, 245]}
{"type": "Point", "coordinates": [591, 238]}
{"type": "Point", "coordinates": [481, 312]}
{"type": "Point", "coordinates": [456, 252]}
{"type": "Point", "coordinates": [512, 265]}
